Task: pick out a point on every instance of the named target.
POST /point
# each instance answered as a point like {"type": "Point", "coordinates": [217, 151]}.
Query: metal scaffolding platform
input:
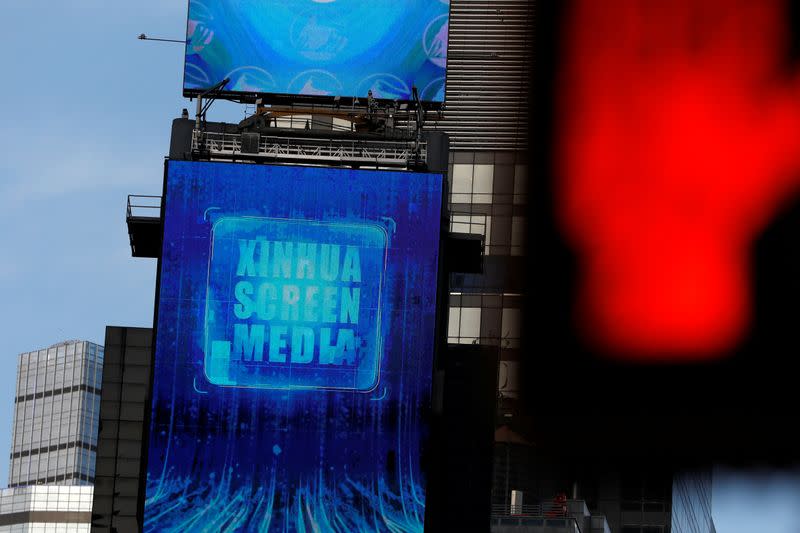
{"type": "Point", "coordinates": [310, 150]}
{"type": "Point", "coordinates": [143, 217]}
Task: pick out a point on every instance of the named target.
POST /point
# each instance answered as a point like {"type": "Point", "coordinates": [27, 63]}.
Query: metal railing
{"type": "Point", "coordinates": [143, 206]}
{"type": "Point", "coordinates": [545, 510]}
{"type": "Point", "coordinates": [312, 150]}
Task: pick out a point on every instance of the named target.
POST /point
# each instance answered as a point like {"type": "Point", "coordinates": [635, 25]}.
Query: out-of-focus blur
{"type": "Point", "coordinates": [677, 140]}
{"type": "Point", "coordinates": [763, 501]}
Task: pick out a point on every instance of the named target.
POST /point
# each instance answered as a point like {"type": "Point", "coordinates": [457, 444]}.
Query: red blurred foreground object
{"type": "Point", "coordinates": [678, 134]}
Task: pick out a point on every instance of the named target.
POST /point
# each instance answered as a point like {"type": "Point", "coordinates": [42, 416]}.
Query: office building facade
{"type": "Point", "coordinates": [691, 503]}
{"type": "Point", "coordinates": [486, 117]}
{"type": "Point", "coordinates": [56, 413]}
{"type": "Point", "coordinates": [46, 509]}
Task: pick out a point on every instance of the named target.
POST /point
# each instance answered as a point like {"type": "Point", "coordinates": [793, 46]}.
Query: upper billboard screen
{"type": "Point", "coordinates": [294, 349]}
{"type": "Point", "coordinates": [318, 48]}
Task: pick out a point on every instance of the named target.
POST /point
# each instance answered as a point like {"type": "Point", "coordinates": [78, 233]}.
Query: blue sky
{"type": "Point", "coordinates": [86, 112]}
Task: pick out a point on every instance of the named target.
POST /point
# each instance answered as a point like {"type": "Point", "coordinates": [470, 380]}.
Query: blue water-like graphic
{"type": "Point", "coordinates": [323, 48]}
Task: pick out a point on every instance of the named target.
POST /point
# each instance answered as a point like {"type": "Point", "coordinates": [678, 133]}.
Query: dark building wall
{"type": "Point", "coordinates": [126, 380]}
{"type": "Point", "coordinates": [489, 59]}
{"type": "Point", "coordinates": [490, 54]}
{"type": "Point", "coordinates": [460, 472]}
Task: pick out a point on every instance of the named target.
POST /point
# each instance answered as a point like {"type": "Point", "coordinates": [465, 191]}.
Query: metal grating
{"type": "Point", "coordinates": [332, 151]}
{"type": "Point", "coordinates": [489, 66]}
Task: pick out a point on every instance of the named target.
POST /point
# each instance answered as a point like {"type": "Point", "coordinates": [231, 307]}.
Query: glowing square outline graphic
{"type": "Point", "coordinates": [212, 349]}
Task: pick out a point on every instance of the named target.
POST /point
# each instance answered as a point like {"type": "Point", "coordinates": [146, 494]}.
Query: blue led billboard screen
{"type": "Point", "coordinates": [294, 349]}
{"type": "Point", "coordinates": [319, 47]}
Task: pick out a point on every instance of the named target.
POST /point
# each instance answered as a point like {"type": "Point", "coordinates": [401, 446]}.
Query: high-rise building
{"type": "Point", "coordinates": [56, 415]}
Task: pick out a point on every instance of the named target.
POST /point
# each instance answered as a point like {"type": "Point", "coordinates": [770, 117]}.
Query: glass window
{"type": "Point", "coordinates": [464, 325]}
{"type": "Point", "coordinates": [462, 183]}
{"type": "Point", "coordinates": [454, 318]}
{"type": "Point", "coordinates": [472, 184]}
{"type": "Point", "coordinates": [483, 179]}
{"type": "Point", "coordinates": [468, 329]}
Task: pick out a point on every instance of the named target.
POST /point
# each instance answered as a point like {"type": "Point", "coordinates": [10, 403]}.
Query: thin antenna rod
{"type": "Point", "coordinates": [143, 37]}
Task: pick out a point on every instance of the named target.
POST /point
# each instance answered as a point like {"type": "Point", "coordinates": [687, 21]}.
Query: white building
{"type": "Point", "coordinates": [46, 509]}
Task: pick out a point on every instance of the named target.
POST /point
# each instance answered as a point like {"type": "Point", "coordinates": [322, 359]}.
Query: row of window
{"type": "Point", "coordinates": [47, 360]}
{"type": "Point", "coordinates": [55, 379]}
{"type": "Point", "coordinates": [33, 433]}
{"type": "Point", "coordinates": [56, 392]}
{"type": "Point", "coordinates": [47, 527]}
{"type": "Point", "coordinates": [80, 402]}
{"type": "Point", "coordinates": [53, 416]}
{"type": "Point", "coordinates": [54, 479]}
{"type": "Point", "coordinates": [465, 327]}
{"type": "Point", "coordinates": [54, 447]}
{"type": "Point", "coordinates": [69, 498]}
{"type": "Point", "coordinates": [53, 356]}
{"type": "Point", "coordinates": [62, 418]}
{"type": "Point", "coordinates": [42, 466]}
{"type": "Point", "coordinates": [49, 459]}
{"type": "Point", "coordinates": [48, 427]}
{"type": "Point", "coordinates": [488, 183]}
{"type": "Point", "coordinates": [36, 437]}
{"type": "Point", "coordinates": [58, 377]}
{"type": "Point", "coordinates": [34, 364]}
